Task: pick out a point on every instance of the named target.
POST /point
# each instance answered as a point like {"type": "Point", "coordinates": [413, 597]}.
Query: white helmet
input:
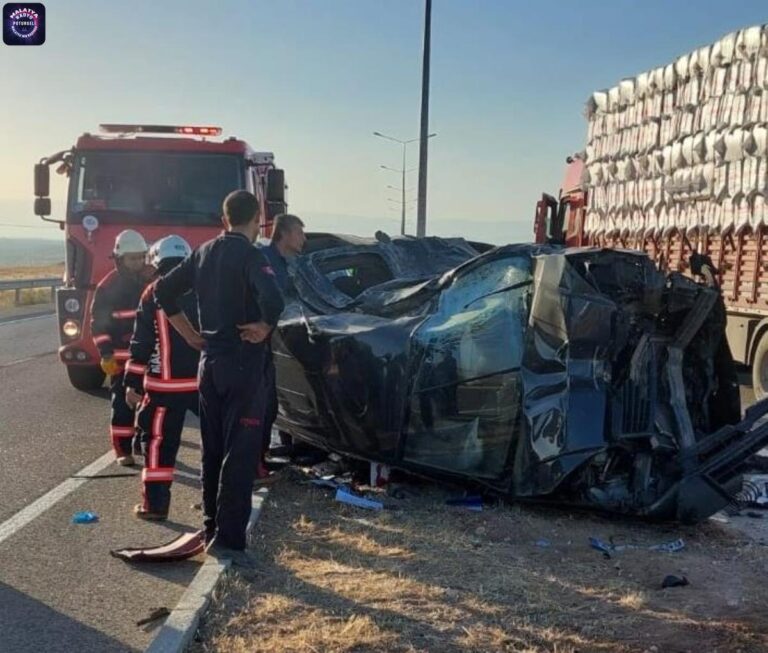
{"type": "Point", "coordinates": [129, 242]}
{"type": "Point", "coordinates": [168, 247]}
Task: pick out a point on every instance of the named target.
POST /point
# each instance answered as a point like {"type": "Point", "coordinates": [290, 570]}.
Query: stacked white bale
{"type": "Point", "coordinates": [684, 146]}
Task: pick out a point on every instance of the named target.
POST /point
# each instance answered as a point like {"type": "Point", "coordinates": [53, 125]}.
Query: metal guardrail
{"type": "Point", "coordinates": [18, 285]}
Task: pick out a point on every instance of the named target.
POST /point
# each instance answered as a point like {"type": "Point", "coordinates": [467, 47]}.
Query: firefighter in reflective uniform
{"type": "Point", "coordinates": [162, 367]}
{"type": "Point", "coordinates": [112, 314]}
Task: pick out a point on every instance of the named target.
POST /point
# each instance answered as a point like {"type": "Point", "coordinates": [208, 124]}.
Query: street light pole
{"type": "Point", "coordinates": [402, 170]}
{"type": "Point", "coordinates": [402, 185]}
{"type": "Point", "coordinates": [421, 214]}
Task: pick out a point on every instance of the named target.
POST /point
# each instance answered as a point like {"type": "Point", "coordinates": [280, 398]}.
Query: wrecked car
{"type": "Point", "coordinates": [583, 377]}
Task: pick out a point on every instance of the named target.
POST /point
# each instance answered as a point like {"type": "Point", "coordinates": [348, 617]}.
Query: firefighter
{"type": "Point", "coordinates": [287, 241]}
{"type": "Point", "coordinates": [162, 367]}
{"type": "Point", "coordinates": [112, 315]}
{"type": "Point", "coordinates": [235, 286]}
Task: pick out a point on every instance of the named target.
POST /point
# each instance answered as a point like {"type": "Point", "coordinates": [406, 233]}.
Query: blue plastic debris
{"type": "Point", "coordinates": [604, 548]}
{"type": "Point", "coordinates": [543, 544]}
{"type": "Point", "coordinates": [473, 502]}
{"type": "Point", "coordinates": [85, 517]}
{"type": "Point", "coordinates": [345, 496]}
{"type": "Point", "coordinates": [669, 547]}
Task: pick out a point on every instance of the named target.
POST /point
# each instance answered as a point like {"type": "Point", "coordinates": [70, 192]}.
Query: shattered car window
{"type": "Point", "coordinates": [466, 399]}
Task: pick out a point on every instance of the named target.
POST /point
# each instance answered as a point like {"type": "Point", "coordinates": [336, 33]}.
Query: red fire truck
{"type": "Point", "coordinates": [155, 179]}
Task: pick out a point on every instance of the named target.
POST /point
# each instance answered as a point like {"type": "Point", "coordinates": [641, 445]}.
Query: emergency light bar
{"type": "Point", "coordinates": [160, 129]}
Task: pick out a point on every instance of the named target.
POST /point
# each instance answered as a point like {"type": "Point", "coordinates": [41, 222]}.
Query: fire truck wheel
{"type": "Point", "coordinates": [85, 377]}
{"type": "Point", "coordinates": [760, 368]}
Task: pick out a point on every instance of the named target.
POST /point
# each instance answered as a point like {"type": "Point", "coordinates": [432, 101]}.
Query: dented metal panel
{"type": "Point", "coordinates": [584, 377]}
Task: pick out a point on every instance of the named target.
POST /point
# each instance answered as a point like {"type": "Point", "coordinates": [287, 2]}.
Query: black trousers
{"type": "Point", "coordinates": [122, 419]}
{"type": "Point", "coordinates": [160, 421]}
{"type": "Point", "coordinates": [270, 410]}
{"type": "Point", "coordinates": [232, 406]}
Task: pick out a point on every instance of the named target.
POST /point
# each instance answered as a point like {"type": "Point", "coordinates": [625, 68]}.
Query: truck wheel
{"type": "Point", "coordinates": [760, 368]}
{"type": "Point", "coordinates": [85, 378]}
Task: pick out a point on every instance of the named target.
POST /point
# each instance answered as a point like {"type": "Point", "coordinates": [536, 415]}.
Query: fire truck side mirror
{"type": "Point", "coordinates": [275, 185]}
{"type": "Point", "coordinates": [42, 206]}
{"type": "Point", "coordinates": [42, 181]}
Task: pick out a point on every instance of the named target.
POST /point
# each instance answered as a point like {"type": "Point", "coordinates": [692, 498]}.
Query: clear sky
{"type": "Point", "coordinates": [312, 79]}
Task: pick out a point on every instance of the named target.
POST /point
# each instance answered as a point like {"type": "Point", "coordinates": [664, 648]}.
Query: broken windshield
{"type": "Point", "coordinates": [466, 401]}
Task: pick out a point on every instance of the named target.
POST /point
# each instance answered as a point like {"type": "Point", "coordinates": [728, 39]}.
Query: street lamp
{"type": "Point", "coordinates": [402, 170]}
{"type": "Point", "coordinates": [421, 213]}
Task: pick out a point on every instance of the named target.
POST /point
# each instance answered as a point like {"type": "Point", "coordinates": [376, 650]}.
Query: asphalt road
{"type": "Point", "coordinates": [60, 590]}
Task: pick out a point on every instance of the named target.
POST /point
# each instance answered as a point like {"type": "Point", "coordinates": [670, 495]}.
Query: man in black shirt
{"type": "Point", "coordinates": [235, 286]}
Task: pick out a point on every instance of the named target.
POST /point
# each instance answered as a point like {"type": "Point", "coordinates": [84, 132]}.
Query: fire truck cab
{"type": "Point", "coordinates": [155, 179]}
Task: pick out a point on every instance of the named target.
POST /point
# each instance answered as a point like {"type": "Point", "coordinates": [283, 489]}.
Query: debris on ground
{"type": "Point", "coordinates": [85, 517]}
{"type": "Point", "coordinates": [344, 495]}
{"type": "Point", "coordinates": [159, 613]}
{"type": "Point", "coordinates": [437, 578]}
{"type": "Point", "coordinates": [609, 548]}
{"type": "Point", "coordinates": [674, 581]}
{"type": "Point", "coordinates": [183, 547]}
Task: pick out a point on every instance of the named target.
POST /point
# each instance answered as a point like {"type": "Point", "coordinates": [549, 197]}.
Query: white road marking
{"type": "Point", "coordinates": [25, 319]}
{"type": "Point", "coordinates": [27, 360]}
{"type": "Point", "coordinates": [179, 628]}
{"type": "Point", "coordinates": [50, 499]}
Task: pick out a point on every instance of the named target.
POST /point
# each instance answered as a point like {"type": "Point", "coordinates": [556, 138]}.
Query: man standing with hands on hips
{"type": "Point", "coordinates": [239, 304]}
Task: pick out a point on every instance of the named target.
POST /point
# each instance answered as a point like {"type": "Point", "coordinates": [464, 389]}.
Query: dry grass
{"type": "Point", "coordinates": [33, 295]}
{"type": "Point", "coordinates": [429, 578]}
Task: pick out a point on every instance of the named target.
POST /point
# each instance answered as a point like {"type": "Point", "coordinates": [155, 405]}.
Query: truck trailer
{"type": "Point", "coordinates": [676, 164]}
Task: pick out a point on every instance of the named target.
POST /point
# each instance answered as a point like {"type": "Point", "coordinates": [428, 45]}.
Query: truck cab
{"type": "Point", "coordinates": [155, 179]}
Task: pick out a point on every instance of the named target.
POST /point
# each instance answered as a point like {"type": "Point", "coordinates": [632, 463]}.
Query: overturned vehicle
{"type": "Point", "coordinates": [581, 377]}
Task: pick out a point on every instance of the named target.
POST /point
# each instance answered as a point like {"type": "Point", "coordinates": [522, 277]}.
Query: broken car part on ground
{"type": "Point", "coordinates": [582, 377]}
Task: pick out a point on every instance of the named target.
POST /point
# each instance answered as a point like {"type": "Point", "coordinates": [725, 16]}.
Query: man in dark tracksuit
{"type": "Point", "coordinates": [239, 306]}
{"type": "Point", "coordinates": [112, 314]}
{"type": "Point", "coordinates": [288, 240]}
{"type": "Point", "coordinates": [163, 367]}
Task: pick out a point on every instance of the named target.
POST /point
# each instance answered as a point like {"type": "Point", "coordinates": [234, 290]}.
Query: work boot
{"type": "Point", "coordinates": [148, 515]}
{"type": "Point", "coordinates": [238, 557]}
{"type": "Point", "coordinates": [126, 461]}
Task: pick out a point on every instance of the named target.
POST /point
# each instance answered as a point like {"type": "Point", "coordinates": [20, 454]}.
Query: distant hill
{"type": "Point", "coordinates": [30, 251]}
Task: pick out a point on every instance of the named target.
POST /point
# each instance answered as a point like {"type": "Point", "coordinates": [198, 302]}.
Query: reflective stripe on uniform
{"type": "Point", "coordinates": [98, 340]}
{"type": "Point", "coordinates": [157, 474]}
{"type": "Point", "coordinates": [135, 368]}
{"type": "Point", "coordinates": [165, 345]}
{"type": "Point", "coordinates": [121, 431]}
{"type": "Point", "coordinates": [123, 315]}
{"type": "Point", "coordinates": [122, 354]}
{"type": "Point", "coordinates": [173, 385]}
{"type": "Point", "coordinates": [156, 437]}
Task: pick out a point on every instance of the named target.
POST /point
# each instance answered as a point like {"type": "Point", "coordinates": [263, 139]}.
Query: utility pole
{"type": "Point", "coordinates": [421, 214]}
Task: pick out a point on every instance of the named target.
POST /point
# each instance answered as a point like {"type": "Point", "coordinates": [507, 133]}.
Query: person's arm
{"type": "Point", "coordinates": [262, 283]}
{"type": "Point", "coordinates": [101, 322]}
{"type": "Point", "coordinates": [169, 290]}
{"type": "Point", "coordinates": [261, 278]}
{"type": "Point", "coordinates": [142, 346]}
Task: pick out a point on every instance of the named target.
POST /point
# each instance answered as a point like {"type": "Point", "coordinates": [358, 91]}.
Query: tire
{"type": "Point", "coordinates": [85, 378]}
{"type": "Point", "coordinates": [760, 368]}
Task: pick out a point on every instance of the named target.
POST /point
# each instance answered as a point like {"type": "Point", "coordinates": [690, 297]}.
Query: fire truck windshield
{"type": "Point", "coordinates": [152, 187]}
